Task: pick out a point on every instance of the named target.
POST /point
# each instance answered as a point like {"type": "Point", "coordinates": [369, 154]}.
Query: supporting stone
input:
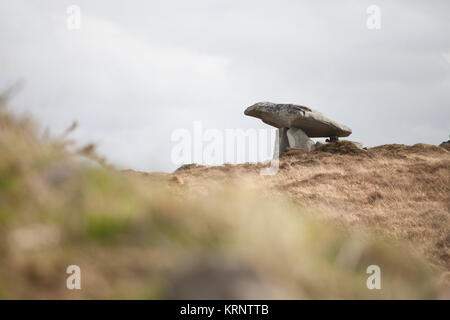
{"type": "Point", "coordinates": [281, 142]}
{"type": "Point", "coordinates": [298, 139]}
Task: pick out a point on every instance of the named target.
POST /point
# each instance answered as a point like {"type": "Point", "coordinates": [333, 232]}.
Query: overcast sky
{"type": "Point", "coordinates": [137, 70]}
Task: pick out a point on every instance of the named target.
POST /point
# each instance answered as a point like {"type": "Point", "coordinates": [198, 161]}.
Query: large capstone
{"type": "Point", "coordinates": [313, 123]}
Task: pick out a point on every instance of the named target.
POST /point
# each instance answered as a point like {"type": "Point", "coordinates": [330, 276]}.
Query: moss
{"type": "Point", "coordinates": [104, 227]}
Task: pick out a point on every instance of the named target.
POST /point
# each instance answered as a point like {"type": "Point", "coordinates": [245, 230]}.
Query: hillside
{"type": "Point", "coordinates": [398, 191]}
{"type": "Point", "coordinates": [310, 231]}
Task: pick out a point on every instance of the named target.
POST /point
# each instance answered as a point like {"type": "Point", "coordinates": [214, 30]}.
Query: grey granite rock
{"type": "Point", "coordinates": [311, 122]}
{"type": "Point", "coordinates": [298, 139]}
{"type": "Point", "coordinates": [281, 142]}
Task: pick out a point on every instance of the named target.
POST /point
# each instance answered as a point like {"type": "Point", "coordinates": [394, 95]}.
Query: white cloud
{"type": "Point", "coordinates": [134, 73]}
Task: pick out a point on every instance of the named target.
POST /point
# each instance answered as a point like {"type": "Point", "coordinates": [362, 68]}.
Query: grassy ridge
{"type": "Point", "coordinates": [156, 238]}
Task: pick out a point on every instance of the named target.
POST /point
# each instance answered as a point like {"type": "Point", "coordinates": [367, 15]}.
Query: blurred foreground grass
{"type": "Point", "coordinates": [141, 239]}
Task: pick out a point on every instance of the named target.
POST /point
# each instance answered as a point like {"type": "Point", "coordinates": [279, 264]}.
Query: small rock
{"type": "Point", "coordinates": [177, 180]}
{"type": "Point", "coordinates": [445, 145]}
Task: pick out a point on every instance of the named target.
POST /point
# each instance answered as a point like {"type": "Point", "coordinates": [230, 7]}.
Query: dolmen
{"type": "Point", "coordinates": [296, 125]}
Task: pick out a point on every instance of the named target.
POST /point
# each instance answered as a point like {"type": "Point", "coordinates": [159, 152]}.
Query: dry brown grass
{"type": "Point", "coordinates": [397, 191]}
{"type": "Point", "coordinates": [220, 232]}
